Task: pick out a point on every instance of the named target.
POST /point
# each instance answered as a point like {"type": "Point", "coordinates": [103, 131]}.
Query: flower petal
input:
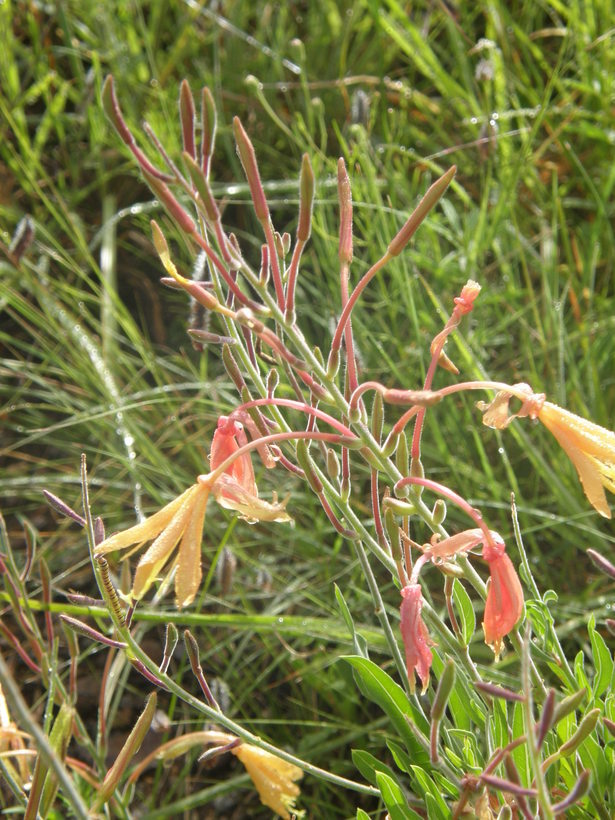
{"type": "Point", "coordinates": [232, 496]}
{"type": "Point", "coordinates": [144, 531]}
{"type": "Point", "coordinates": [591, 449]}
{"type": "Point", "coordinates": [273, 777]}
{"type": "Point", "coordinates": [504, 605]}
{"type": "Point", "coordinates": [158, 553]}
{"type": "Point", "coordinates": [189, 573]}
{"type": "Point", "coordinates": [415, 636]}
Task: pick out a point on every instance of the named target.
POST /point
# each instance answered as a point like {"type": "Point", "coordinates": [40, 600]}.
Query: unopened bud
{"type": "Point", "coordinates": [208, 127]}
{"type": "Point", "coordinates": [568, 704]}
{"type": "Point", "coordinates": [306, 200]}
{"type": "Point", "coordinates": [345, 203]}
{"type": "Point", "coordinates": [438, 514]}
{"type": "Point", "coordinates": [402, 455]}
{"type": "Point", "coordinates": [127, 752]}
{"type": "Point", "coordinates": [433, 194]}
{"type": "Point", "coordinates": [333, 464]}
{"type": "Point", "coordinates": [247, 156]}
{"type": "Point", "coordinates": [187, 117]}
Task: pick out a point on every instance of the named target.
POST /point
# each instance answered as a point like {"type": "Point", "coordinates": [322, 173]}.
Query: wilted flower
{"type": "Point", "coordinates": [273, 778]}
{"type": "Point", "coordinates": [504, 604]}
{"type": "Point", "coordinates": [181, 521]}
{"type": "Point", "coordinates": [590, 447]}
{"type": "Point", "coordinates": [236, 488]}
{"type": "Point", "coordinates": [415, 636]}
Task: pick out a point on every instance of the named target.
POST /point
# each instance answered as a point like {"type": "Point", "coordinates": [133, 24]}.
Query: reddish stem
{"type": "Point", "coordinates": [302, 407]}
{"type": "Point", "coordinates": [450, 495]}
{"type": "Point", "coordinates": [332, 438]}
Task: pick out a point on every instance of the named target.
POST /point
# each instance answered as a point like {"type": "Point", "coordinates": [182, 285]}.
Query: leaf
{"type": "Point", "coordinates": [358, 641]}
{"type": "Point", "coordinates": [394, 800]}
{"type": "Point", "coordinates": [369, 766]}
{"type": "Point", "coordinates": [603, 662]}
{"type": "Point", "coordinates": [392, 699]}
{"type": "Point", "coordinates": [467, 616]}
{"type": "Point", "coordinates": [436, 805]}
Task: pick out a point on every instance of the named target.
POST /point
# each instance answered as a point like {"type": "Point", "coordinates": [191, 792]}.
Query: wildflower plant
{"type": "Point", "coordinates": [461, 744]}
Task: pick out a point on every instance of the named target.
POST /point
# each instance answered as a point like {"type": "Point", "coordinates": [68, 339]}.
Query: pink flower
{"type": "Point", "coordinates": [236, 488]}
{"type": "Point", "coordinates": [415, 636]}
{"type": "Point", "coordinates": [504, 604]}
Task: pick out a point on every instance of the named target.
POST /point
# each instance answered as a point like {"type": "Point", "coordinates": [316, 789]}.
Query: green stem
{"type": "Point", "coordinates": [534, 752]}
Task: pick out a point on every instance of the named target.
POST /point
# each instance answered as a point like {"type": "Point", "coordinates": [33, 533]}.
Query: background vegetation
{"type": "Point", "coordinates": [95, 359]}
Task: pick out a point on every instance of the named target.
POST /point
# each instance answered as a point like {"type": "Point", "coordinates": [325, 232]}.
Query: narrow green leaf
{"type": "Point", "coordinates": [603, 662]}
{"type": "Point", "coordinates": [392, 699]}
{"type": "Point", "coordinates": [465, 608]}
{"type": "Point", "coordinates": [436, 805]}
{"type": "Point", "coordinates": [358, 641]}
{"type": "Point", "coordinates": [394, 799]}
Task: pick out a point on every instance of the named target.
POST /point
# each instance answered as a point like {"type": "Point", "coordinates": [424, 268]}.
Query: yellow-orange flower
{"type": "Point", "coordinates": [273, 777]}
{"type": "Point", "coordinates": [181, 521]}
{"type": "Point", "coordinates": [591, 448]}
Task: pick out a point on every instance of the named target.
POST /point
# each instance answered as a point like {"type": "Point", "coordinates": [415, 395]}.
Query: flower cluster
{"type": "Point", "coordinates": [503, 607]}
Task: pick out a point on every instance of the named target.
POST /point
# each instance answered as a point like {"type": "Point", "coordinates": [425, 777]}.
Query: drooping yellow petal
{"type": "Point", "coordinates": [273, 777]}
{"type": "Point", "coordinates": [144, 531]}
{"type": "Point", "coordinates": [158, 553]}
{"type": "Point", "coordinates": [591, 449]}
{"type": "Point", "coordinates": [189, 574]}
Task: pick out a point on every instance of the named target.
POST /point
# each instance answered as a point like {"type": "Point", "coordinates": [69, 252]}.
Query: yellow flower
{"type": "Point", "coordinates": [273, 778]}
{"type": "Point", "coordinates": [181, 521]}
{"type": "Point", "coordinates": [591, 448]}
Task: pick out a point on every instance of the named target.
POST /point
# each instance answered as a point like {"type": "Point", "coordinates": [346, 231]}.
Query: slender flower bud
{"type": "Point", "coordinates": [345, 202]}
{"type": "Point", "coordinates": [568, 704]}
{"type": "Point", "coordinates": [208, 128]}
{"type": "Point", "coordinates": [433, 194]}
{"type": "Point", "coordinates": [306, 200]}
{"type": "Point", "coordinates": [187, 116]}
{"type": "Point", "coordinates": [602, 563]}
{"type": "Point", "coordinates": [245, 149]}
{"type": "Point", "coordinates": [201, 183]}
{"type": "Point", "coordinates": [127, 752]}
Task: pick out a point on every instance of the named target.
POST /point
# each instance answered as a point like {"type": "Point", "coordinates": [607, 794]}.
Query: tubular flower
{"type": "Point", "coordinates": [181, 521]}
{"type": "Point", "coordinates": [415, 636]}
{"type": "Point", "coordinates": [273, 778]}
{"type": "Point", "coordinates": [591, 448]}
{"type": "Point", "coordinates": [504, 604]}
{"type": "Point", "coordinates": [236, 488]}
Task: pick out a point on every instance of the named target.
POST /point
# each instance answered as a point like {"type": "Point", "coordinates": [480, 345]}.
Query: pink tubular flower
{"type": "Point", "coordinates": [236, 488]}
{"type": "Point", "coordinates": [504, 604]}
{"type": "Point", "coordinates": [415, 636]}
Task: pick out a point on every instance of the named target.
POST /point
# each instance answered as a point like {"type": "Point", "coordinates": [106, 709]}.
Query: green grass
{"type": "Point", "coordinates": [93, 352]}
